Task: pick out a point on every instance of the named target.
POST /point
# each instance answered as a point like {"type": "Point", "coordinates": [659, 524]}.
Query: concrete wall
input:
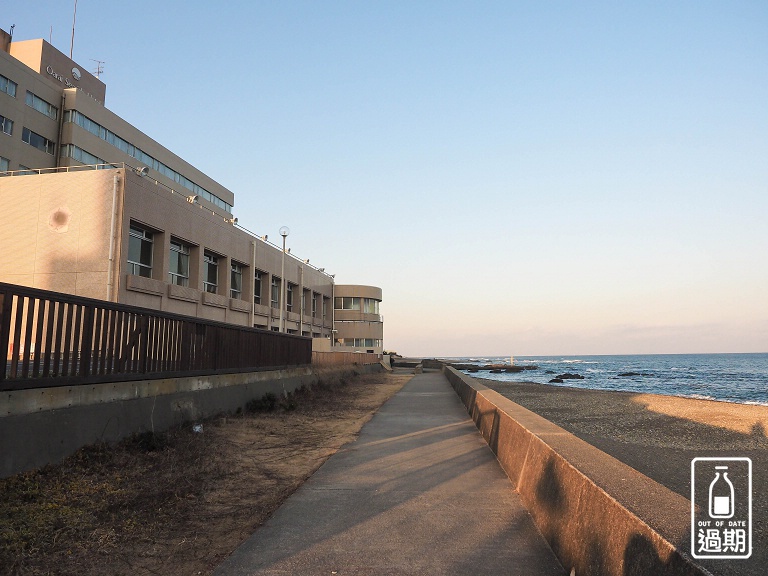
{"type": "Point", "coordinates": [55, 231]}
{"type": "Point", "coordinates": [42, 426]}
{"type": "Point", "coordinates": [600, 516]}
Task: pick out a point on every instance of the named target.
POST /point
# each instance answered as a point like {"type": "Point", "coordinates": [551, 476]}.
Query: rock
{"type": "Point", "coordinates": [556, 381]}
{"type": "Point", "coordinates": [508, 367]}
{"type": "Point", "coordinates": [569, 376]}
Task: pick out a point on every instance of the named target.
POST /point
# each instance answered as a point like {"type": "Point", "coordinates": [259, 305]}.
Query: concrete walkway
{"type": "Point", "coordinates": [419, 492]}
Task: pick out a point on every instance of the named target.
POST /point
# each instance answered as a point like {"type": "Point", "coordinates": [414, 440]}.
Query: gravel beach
{"type": "Point", "coordinates": [659, 436]}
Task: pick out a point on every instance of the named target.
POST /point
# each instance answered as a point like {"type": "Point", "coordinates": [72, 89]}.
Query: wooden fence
{"type": "Point", "coordinates": [55, 339]}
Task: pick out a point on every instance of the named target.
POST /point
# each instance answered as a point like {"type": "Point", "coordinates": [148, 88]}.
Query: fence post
{"type": "Point", "coordinates": [87, 342]}
{"type": "Point", "coordinates": [6, 300]}
{"type": "Point", "coordinates": [143, 343]}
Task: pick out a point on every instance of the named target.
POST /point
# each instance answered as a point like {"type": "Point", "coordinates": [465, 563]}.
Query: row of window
{"type": "Point", "coordinates": [28, 136]}
{"type": "Point", "coordinates": [360, 342]}
{"type": "Point", "coordinates": [37, 141]}
{"type": "Point", "coordinates": [32, 100]}
{"type": "Point", "coordinates": [77, 153]}
{"type": "Point", "coordinates": [366, 305]}
{"type": "Point", "coordinates": [110, 137]}
{"type": "Point", "coordinates": [140, 263]}
{"type": "Point", "coordinates": [310, 300]}
{"type": "Point", "coordinates": [43, 106]}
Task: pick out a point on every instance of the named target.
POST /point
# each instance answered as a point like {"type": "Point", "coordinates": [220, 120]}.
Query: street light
{"type": "Point", "coordinates": [284, 231]}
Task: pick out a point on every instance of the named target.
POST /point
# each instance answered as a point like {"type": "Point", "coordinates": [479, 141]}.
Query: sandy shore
{"type": "Point", "coordinates": [659, 436]}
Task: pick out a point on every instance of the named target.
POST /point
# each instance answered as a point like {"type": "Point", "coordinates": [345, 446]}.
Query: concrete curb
{"type": "Point", "coordinates": [598, 515]}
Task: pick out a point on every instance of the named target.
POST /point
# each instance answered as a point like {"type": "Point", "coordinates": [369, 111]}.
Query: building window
{"type": "Point", "coordinates": [6, 125]}
{"type": "Point", "coordinates": [289, 297]}
{"type": "Point", "coordinates": [305, 295]}
{"type": "Point", "coordinates": [40, 142]}
{"type": "Point", "coordinates": [236, 281]}
{"type": "Point", "coordinates": [110, 137]}
{"type": "Point", "coordinates": [178, 269]}
{"type": "Point", "coordinates": [275, 292]}
{"type": "Point", "coordinates": [257, 287]}
{"type": "Point", "coordinates": [211, 277]}
{"type": "Point", "coordinates": [370, 306]}
{"type": "Point", "coordinates": [314, 305]}
{"type": "Point", "coordinates": [347, 303]}
{"type": "Point", "coordinates": [8, 86]}
{"type": "Point", "coordinates": [360, 342]}
{"type": "Point", "coordinates": [140, 251]}
{"type": "Point", "coordinates": [325, 307]}
{"type": "Point", "coordinates": [4, 164]}
{"type": "Point", "coordinates": [34, 101]}
{"type": "Point", "coordinates": [76, 153]}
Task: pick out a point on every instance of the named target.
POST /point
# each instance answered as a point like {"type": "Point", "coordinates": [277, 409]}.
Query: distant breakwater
{"type": "Point", "coordinates": [492, 368]}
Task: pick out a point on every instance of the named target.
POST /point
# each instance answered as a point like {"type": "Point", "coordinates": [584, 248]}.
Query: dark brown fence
{"type": "Point", "coordinates": [55, 339]}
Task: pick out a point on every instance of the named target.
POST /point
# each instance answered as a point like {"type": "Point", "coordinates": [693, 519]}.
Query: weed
{"type": "Point", "coordinates": [149, 441]}
{"type": "Point", "coordinates": [266, 403]}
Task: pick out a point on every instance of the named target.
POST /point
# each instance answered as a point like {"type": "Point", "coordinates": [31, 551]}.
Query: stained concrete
{"type": "Point", "coordinates": [419, 492]}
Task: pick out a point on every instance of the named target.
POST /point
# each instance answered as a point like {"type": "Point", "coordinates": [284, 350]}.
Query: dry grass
{"type": "Point", "coordinates": [177, 503]}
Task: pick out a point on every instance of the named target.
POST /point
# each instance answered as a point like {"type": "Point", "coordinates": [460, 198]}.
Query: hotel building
{"type": "Point", "coordinates": [94, 207]}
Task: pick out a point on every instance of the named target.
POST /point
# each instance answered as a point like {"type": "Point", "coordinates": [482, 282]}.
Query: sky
{"type": "Point", "coordinates": [520, 178]}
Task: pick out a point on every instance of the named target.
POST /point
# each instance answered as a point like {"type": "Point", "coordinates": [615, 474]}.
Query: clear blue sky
{"type": "Point", "coordinates": [519, 177]}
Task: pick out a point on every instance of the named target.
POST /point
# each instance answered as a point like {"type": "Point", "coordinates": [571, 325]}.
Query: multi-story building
{"type": "Point", "coordinates": [358, 323]}
{"type": "Point", "coordinates": [94, 207]}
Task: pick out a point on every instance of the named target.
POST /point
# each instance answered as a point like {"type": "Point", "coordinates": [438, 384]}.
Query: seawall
{"type": "Point", "coordinates": [599, 515]}
{"type": "Point", "coordinates": [42, 426]}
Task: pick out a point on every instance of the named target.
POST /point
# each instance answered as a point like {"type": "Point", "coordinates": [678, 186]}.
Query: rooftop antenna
{"type": "Point", "coordinates": [72, 42]}
{"type": "Point", "coordinates": [50, 36]}
{"type": "Point", "coordinates": [99, 67]}
{"type": "Point", "coordinates": [12, 27]}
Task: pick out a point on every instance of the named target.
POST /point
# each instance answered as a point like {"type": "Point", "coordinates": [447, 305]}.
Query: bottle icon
{"type": "Point", "coordinates": [721, 494]}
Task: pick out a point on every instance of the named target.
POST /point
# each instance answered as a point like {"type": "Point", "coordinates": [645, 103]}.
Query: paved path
{"type": "Point", "coordinates": [419, 492]}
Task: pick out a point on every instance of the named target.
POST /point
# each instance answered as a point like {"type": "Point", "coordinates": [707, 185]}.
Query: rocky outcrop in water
{"type": "Point", "coordinates": [567, 376]}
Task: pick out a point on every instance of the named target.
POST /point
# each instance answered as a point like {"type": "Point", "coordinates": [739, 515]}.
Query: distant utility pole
{"type": "Point", "coordinates": [72, 42]}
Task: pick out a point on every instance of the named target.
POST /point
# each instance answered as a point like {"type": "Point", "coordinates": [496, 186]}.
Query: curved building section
{"type": "Point", "coordinates": [357, 318]}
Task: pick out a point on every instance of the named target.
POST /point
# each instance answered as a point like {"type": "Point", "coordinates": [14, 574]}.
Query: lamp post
{"type": "Point", "coordinates": [284, 231]}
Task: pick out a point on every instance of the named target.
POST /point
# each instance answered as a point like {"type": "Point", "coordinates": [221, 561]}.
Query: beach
{"type": "Point", "coordinates": [659, 436]}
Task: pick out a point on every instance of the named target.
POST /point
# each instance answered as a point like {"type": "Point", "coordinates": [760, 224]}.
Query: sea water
{"type": "Point", "coordinates": [739, 378]}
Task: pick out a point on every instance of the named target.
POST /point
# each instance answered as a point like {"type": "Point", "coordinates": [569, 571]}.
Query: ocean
{"type": "Point", "coordinates": [741, 378]}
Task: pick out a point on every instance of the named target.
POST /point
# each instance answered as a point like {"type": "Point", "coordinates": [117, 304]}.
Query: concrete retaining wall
{"type": "Point", "coordinates": [42, 426]}
{"type": "Point", "coordinates": [600, 516]}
